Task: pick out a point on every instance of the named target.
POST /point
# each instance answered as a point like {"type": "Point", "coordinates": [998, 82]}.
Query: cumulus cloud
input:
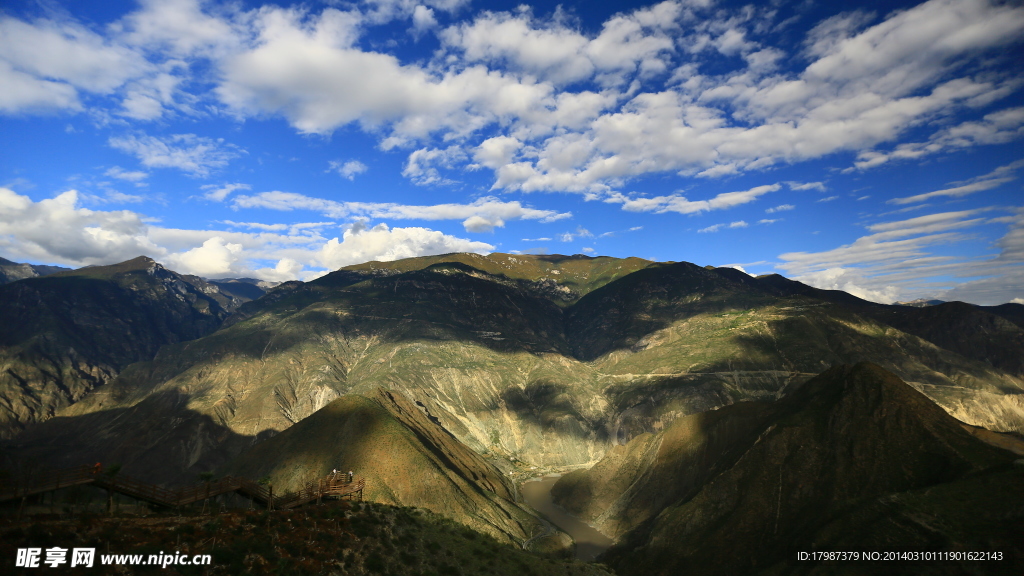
{"type": "Point", "coordinates": [194, 155]}
{"type": "Point", "coordinates": [59, 230]}
{"type": "Point", "coordinates": [348, 169]}
{"type": "Point", "coordinates": [422, 21]}
{"type": "Point", "coordinates": [215, 258]}
{"type": "Point", "coordinates": [852, 282]}
{"type": "Point", "coordinates": [422, 165]}
{"type": "Point", "coordinates": [508, 88]}
{"type": "Point", "coordinates": [361, 244]}
{"type": "Point", "coordinates": [780, 208]}
{"type": "Point", "coordinates": [628, 43]}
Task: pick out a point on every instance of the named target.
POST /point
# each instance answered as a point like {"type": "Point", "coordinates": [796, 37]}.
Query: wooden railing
{"type": "Point", "coordinates": [333, 485]}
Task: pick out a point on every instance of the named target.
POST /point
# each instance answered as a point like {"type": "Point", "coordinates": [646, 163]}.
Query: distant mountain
{"type": "Point", "coordinates": [243, 288]}
{"type": "Point", "coordinates": [921, 303]}
{"type": "Point", "coordinates": [66, 333]}
{"type": "Point", "coordinates": [527, 373]}
{"type": "Point", "coordinates": [12, 271]}
{"type": "Point", "coordinates": [853, 460]}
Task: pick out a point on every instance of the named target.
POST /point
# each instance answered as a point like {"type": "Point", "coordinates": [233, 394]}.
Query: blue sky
{"type": "Point", "coordinates": [875, 149]}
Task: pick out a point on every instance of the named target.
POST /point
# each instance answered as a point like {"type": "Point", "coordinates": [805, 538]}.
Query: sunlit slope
{"type": "Point", "coordinates": [562, 278]}
{"type": "Point", "coordinates": [406, 458]}
{"type": "Point", "coordinates": [487, 354]}
{"type": "Point", "coordinates": [509, 370]}
{"type": "Point", "coordinates": [678, 339]}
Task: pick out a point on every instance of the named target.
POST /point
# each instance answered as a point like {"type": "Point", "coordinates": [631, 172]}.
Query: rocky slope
{"type": "Point", "coordinates": [64, 334]}
{"type": "Point", "coordinates": [853, 460]}
{"type": "Point", "coordinates": [535, 378]}
{"type": "Point", "coordinates": [529, 368]}
{"type": "Point", "coordinates": [406, 456]}
{"type": "Point", "coordinates": [14, 271]}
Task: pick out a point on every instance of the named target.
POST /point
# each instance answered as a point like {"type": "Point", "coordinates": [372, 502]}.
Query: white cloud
{"type": "Point", "coordinates": [717, 227]}
{"type": "Point", "coordinates": [498, 90]}
{"type": "Point", "coordinates": [347, 169]}
{"type": "Point", "coordinates": [1017, 301]}
{"type": "Point", "coordinates": [422, 21]}
{"type": "Point", "coordinates": [134, 176]}
{"type": "Point", "coordinates": [780, 208]}
{"type": "Point", "coordinates": [58, 230]}
{"type": "Point", "coordinates": [995, 128]}
{"type": "Point", "coordinates": [421, 167]}
{"type": "Point", "coordinates": [218, 193]}
{"type": "Point", "coordinates": [900, 260]}
{"type": "Point", "coordinates": [852, 282]}
{"type": "Point", "coordinates": [994, 179]}
{"type": "Point", "coordinates": [26, 93]}
{"type": "Point", "coordinates": [768, 220]}
{"type": "Point", "coordinates": [580, 232]}
{"type": "Point", "coordinates": [828, 199]}
{"type": "Point", "coordinates": [551, 51]}
{"type": "Point", "coordinates": [819, 186]}
{"type": "Point", "coordinates": [362, 244]}
{"type": "Point", "coordinates": [680, 204]}
{"type": "Point", "coordinates": [180, 28]}
{"type": "Point", "coordinates": [496, 152]}
{"type": "Point", "coordinates": [195, 155]}
{"type": "Point", "coordinates": [215, 258]}
{"type": "Point", "coordinates": [480, 215]}
{"type": "Point", "coordinates": [46, 62]}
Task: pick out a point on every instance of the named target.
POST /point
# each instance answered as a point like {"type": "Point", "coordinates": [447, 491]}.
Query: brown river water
{"type": "Point", "coordinates": [589, 542]}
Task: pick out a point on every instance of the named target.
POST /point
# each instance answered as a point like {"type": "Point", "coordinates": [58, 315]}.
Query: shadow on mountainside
{"type": "Point", "coordinates": [550, 407]}
{"type": "Point", "coordinates": [158, 440]}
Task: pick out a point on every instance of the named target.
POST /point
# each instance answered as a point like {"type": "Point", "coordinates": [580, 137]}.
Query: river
{"type": "Point", "coordinates": [589, 542]}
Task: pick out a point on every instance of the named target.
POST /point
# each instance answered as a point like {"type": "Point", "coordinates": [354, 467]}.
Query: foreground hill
{"type": "Point", "coordinates": [407, 458]}
{"type": "Point", "coordinates": [64, 334]}
{"type": "Point", "coordinates": [853, 460]}
{"type": "Point", "coordinates": [337, 538]}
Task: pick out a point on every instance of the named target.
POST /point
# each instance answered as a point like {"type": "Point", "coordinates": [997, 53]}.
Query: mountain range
{"type": "Point", "coordinates": [445, 379]}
